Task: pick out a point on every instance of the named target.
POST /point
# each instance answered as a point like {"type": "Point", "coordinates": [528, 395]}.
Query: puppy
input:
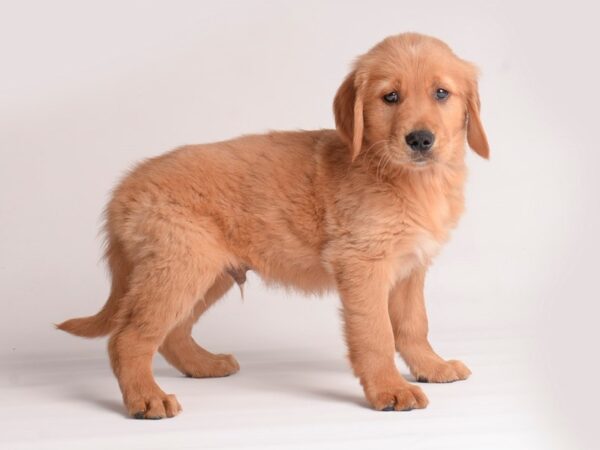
{"type": "Point", "coordinates": [363, 209]}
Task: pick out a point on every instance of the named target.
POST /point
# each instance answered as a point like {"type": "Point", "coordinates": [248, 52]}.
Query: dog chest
{"type": "Point", "coordinates": [412, 252]}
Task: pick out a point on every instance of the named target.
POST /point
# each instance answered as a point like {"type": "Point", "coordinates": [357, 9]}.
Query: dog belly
{"type": "Point", "coordinates": [307, 276]}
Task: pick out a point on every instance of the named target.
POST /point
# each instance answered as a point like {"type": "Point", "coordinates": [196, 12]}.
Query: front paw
{"type": "Point", "coordinates": [399, 397]}
{"type": "Point", "coordinates": [440, 371]}
{"type": "Point", "coordinates": [153, 404]}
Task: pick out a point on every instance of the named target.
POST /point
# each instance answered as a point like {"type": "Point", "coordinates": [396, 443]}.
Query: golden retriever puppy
{"type": "Point", "coordinates": [363, 209]}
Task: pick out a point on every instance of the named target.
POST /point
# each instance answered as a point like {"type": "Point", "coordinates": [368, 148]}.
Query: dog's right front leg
{"type": "Point", "coordinates": [364, 290]}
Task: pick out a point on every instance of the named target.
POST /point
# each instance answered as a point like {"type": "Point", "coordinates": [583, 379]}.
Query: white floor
{"type": "Point", "coordinates": [283, 399]}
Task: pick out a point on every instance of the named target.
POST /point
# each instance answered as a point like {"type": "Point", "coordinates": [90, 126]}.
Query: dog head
{"type": "Point", "coordinates": [413, 100]}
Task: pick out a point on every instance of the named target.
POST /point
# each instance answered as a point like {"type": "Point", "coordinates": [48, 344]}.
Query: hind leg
{"type": "Point", "coordinates": [162, 291]}
{"type": "Point", "coordinates": [180, 349]}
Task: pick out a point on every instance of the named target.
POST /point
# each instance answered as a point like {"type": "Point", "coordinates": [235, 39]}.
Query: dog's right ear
{"type": "Point", "coordinates": [348, 110]}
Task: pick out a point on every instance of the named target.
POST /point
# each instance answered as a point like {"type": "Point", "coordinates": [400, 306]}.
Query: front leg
{"type": "Point", "coordinates": [364, 290]}
{"type": "Point", "coordinates": [409, 320]}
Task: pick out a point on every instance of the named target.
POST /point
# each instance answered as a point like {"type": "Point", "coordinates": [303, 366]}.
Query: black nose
{"type": "Point", "coordinates": [420, 141]}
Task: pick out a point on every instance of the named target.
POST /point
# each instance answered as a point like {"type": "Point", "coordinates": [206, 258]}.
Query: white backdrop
{"type": "Point", "coordinates": [89, 88]}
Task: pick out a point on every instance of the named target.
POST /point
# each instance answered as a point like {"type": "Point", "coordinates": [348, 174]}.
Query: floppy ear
{"type": "Point", "coordinates": [475, 133]}
{"type": "Point", "coordinates": [348, 110]}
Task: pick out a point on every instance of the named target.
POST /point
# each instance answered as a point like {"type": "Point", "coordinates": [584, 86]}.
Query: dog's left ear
{"type": "Point", "coordinates": [348, 110]}
{"type": "Point", "coordinates": [475, 133]}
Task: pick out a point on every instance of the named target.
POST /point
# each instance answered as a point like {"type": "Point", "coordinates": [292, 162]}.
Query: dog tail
{"type": "Point", "coordinates": [109, 317]}
{"type": "Point", "coordinates": [98, 325]}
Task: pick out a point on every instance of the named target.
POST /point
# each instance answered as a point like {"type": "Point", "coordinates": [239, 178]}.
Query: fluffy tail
{"type": "Point", "coordinates": [93, 326]}
{"type": "Point", "coordinates": [107, 319]}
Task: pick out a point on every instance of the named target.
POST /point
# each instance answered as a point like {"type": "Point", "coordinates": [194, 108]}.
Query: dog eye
{"type": "Point", "coordinates": [392, 97]}
{"type": "Point", "coordinates": [441, 94]}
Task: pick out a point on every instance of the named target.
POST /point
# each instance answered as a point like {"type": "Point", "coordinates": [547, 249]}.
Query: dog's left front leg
{"type": "Point", "coordinates": [364, 289]}
{"type": "Point", "coordinates": [409, 320]}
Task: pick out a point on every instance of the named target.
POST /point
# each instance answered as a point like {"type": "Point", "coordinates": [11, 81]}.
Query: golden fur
{"type": "Point", "coordinates": [352, 209]}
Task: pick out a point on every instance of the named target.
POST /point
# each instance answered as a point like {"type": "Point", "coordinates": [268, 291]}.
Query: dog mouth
{"type": "Point", "coordinates": [411, 159]}
{"type": "Point", "coordinates": [420, 160]}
